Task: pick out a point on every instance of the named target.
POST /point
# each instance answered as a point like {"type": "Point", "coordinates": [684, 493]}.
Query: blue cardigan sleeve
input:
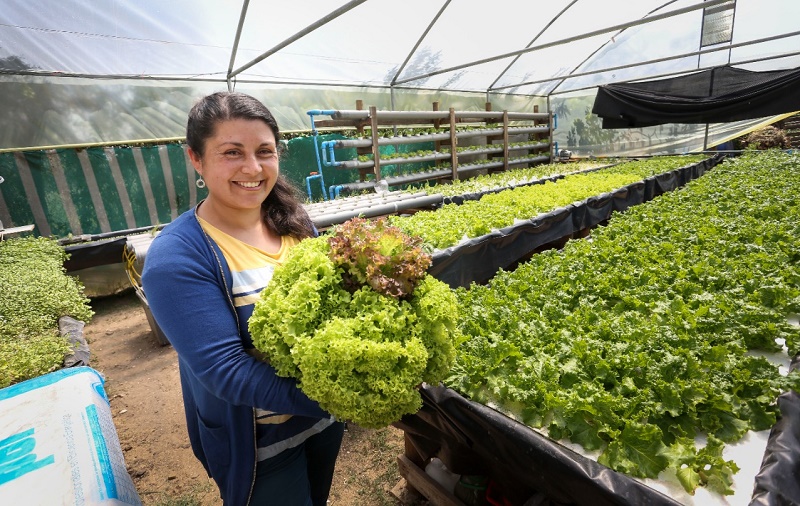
{"type": "Point", "coordinates": [186, 294]}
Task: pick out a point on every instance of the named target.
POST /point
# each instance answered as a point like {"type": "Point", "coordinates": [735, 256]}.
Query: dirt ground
{"type": "Point", "coordinates": [144, 390]}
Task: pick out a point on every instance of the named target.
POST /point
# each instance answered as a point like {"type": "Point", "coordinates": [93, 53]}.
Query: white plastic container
{"type": "Point", "coordinates": [439, 472]}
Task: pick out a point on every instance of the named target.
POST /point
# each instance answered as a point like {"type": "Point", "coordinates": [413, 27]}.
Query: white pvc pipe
{"type": "Point", "coordinates": [371, 212]}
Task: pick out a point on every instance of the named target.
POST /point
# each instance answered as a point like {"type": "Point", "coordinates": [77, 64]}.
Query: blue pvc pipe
{"type": "Point", "coordinates": [329, 159]}
{"type": "Point", "coordinates": [320, 112]}
{"type": "Point", "coordinates": [321, 185]}
{"type": "Point", "coordinates": [319, 168]}
{"type": "Point", "coordinates": [322, 148]}
{"type": "Point", "coordinates": [335, 190]}
{"type": "Point", "coordinates": [333, 155]}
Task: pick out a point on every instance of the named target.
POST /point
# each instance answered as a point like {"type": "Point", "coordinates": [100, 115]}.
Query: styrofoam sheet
{"type": "Point", "coordinates": [58, 443]}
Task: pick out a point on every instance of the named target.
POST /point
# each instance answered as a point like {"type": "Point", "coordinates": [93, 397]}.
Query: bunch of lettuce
{"type": "Point", "coordinates": [358, 351]}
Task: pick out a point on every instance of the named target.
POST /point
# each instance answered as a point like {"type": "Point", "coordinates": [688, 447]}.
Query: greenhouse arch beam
{"type": "Point", "coordinates": [113, 77]}
{"type": "Point", "coordinates": [554, 88]}
{"type": "Point", "coordinates": [660, 60]}
{"type": "Point", "coordinates": [419, 41]}
{"type": "Point", "coordinates": [235, 48]}
{"type": "Point", "coordinates": [544, 29]}
{"type": "Point", "coordinates": [560, 42]}
{"type": "Point", "coordinates": [414, 49]}
{"type": "Point", "coordinates": [299, 35]}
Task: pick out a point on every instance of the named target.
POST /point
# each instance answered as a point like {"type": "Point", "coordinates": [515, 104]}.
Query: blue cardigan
{"type": "Point", "coordinates": [187, 284]}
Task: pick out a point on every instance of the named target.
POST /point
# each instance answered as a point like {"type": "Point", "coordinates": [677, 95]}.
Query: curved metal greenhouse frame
{"type": "Point", "coordinates": [127, 72]}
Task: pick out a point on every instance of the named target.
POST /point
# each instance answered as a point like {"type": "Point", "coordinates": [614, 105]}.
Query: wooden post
{"type": "Point", "coordinates": [550, 135]}
{"type": "Point", "coordinates": [538, 137]}
{"type": "Point", "coordinates": [437, 145]}
{"type": "Point", "coordinates": [505, 140]}
{"type": "Point", "coordinates": [376, 152]}
{"type": "Point", "coordinates": [453, 145]}
{"type": "Point", "coordinates": [360, 125]}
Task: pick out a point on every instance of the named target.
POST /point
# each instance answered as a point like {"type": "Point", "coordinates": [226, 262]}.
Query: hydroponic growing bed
{"type": "Point", "coordinates": [650, 348]}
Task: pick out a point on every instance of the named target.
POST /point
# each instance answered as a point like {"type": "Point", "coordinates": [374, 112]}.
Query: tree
{"type": "Point", "coordinates": [561, 108]}
{"type": "Point", "coordinates": [589, 133]}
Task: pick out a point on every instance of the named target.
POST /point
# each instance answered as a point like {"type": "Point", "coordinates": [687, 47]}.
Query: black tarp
{"type": "Point", "coordinates": [718, 95]}
{"type": "Point", "coordinates": [473, 439]}
{"type": "Point", "coordinates": [778, 481]}
{"type": "Point", "coordinates": [93, 254]}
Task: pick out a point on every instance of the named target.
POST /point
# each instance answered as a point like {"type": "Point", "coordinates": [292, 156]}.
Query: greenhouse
{"type": "Point", "coordinates": [597, 200]}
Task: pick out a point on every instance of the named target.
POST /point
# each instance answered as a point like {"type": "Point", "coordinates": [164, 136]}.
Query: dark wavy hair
{"type": "Point", "coordinates": [282, 209]}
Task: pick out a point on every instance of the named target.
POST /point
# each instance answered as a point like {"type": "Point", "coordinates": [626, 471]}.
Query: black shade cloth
{"type": "Point", "coordinates": [719, 95]}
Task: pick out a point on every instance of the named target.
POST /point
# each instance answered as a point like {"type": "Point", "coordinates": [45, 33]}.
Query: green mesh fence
{"type": "Point", "coordinates": [72, 192]}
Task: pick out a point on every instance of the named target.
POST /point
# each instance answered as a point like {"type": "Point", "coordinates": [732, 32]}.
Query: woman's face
{"type": "Point", "coordinates": [239, 165]}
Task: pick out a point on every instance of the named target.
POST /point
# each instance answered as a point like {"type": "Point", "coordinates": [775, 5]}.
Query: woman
{"type": "Point", "coordinates": [258, 436]}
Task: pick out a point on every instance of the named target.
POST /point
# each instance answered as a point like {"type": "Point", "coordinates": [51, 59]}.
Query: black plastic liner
{"type": "Point", "coordinates": [778, 481]}
{"type": "Point", "coordinates": [718, 95]}
{"type": "Point", "coordinates": [479, 259]}
{"type": "Point", "coordinates": [473, 439]}
{"type": "Point", "coordinates": [93, 254]}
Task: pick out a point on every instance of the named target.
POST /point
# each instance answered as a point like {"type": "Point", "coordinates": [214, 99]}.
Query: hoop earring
{"type": "Point", "coordinates": [200, 183]}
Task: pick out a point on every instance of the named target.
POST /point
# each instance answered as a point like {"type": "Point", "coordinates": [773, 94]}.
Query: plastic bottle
{"type": "Point", "coordinates": [439, 472]}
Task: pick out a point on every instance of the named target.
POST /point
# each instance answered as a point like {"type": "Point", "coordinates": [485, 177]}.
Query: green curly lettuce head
{"type": "Point", "coordinates": [295, 303]}
{"type": "Point", "coordinates": [360, 353]}
{"type": "Point", "coordinates": [365, 367]}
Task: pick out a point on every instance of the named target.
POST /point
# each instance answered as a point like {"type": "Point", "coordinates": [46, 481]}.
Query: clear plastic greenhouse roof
{"type": "Point", "coordinates": [104, 62]}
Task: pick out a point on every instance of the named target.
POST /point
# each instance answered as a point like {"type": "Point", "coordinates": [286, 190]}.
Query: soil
{"type": "Point", "coordinates": [144, 391]}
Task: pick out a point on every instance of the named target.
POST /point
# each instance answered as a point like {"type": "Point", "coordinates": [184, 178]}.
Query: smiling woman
{"type": "Point", "coordinates": [240, 168]}
{"type": "Point", "coordinates": [254, 432]}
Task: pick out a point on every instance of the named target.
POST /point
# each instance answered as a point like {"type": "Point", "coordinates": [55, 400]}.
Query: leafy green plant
{"type": "Point", "coordinates": [358, 352]}
{"type": "Point", "coordinates": [647, 336]}
{"type": "Point", "coordinates": [36, 292]}
{"type": "Point", "coordinates": [446, 226]}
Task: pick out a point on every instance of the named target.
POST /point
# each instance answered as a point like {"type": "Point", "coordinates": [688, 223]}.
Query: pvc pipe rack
{"type": "Point", "coordinates": [360, 118]}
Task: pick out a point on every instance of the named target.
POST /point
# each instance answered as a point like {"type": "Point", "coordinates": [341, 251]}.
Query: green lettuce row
{"type": "Point", "coordinates": [360, 355]}
{"type": "Point", "coordinates": [448, 225]}
{"type": "Point", "coordinates": [511, 177]}
{"type": "Point", "coordinates": [637, 341]}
